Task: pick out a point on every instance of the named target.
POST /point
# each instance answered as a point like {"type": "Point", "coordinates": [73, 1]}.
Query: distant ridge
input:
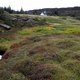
{"type": "Point", "coordinates": [69, 11]}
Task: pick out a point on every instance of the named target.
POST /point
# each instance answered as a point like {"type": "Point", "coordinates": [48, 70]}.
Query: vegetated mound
{"type": "Point", "coordinates": [9, 23]}
{"type": "Point", "coordinates": [42, 52]}
{"type": "Point", "coordinates": [43, 58]}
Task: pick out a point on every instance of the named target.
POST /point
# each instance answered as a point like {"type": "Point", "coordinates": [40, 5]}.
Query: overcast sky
{"type": "Point", "coordinates": [38, 4]}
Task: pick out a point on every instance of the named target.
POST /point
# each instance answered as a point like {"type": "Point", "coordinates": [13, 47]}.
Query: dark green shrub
{"type": "Point", "coordinates": [77, 17]}
{"type": "Point", "coordinates": [42, 21]}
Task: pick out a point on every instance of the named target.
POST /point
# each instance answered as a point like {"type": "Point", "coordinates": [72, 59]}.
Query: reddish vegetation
{"type": "Point", "coordinates": [39, 49]}
{"type": "Point", "coordinates": [15, 45]}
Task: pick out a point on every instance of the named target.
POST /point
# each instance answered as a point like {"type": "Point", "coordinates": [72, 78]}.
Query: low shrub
{"type": "Point", "coordinates": [65, 44]}
{"type": "Point", "coordinates": [73, 65]}
{"type": "Point", "coordinates": [5, 75]}
{"type": "Point", "coordinates": [2, 40]}
{"type": "Point", "coordinates": [35, 70]}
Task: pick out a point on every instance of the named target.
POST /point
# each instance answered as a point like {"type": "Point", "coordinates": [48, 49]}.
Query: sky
{"type": "Point", "coordinates": [38, 4]}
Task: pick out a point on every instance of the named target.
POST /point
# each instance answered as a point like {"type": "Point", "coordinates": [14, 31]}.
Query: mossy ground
{"type": "Point", "coordinates": [47, 52]}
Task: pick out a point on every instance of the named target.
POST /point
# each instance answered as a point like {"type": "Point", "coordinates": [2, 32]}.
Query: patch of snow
{"type": "Point", "coordinates": [0, 57]}
{"type": "Point", "coordinates": [42, 14]}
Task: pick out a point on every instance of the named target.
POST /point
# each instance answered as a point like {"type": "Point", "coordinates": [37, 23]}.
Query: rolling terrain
{"type": "Point", "coordinates": [45, 48]}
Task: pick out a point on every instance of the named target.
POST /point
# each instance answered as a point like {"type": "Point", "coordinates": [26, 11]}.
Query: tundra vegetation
{"type": "Point", "coordinates": [40, 48]}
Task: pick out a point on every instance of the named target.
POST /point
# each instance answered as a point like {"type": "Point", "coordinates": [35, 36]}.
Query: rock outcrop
{"type": "Point", "coordinates": [5, 26]}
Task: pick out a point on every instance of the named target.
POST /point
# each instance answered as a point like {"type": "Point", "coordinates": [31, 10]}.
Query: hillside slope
{"type": "Point", "coordinates": [43, 52]}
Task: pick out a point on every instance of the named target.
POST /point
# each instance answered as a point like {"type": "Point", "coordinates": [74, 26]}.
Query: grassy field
{"type": "Point", "coordinates": [42, 52]}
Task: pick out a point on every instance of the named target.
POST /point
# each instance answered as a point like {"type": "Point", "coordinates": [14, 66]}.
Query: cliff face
{"type": "Point", "coordinates": [72, 11]}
